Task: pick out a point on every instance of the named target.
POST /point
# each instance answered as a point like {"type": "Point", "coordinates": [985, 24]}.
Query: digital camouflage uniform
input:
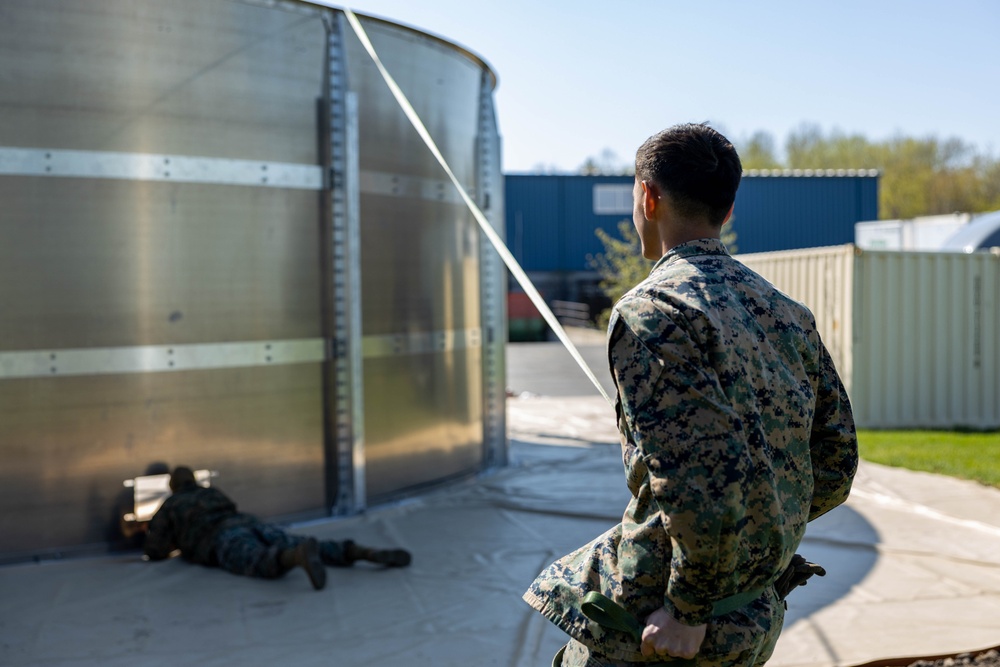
{"type": "Point", "coordinates": [736, 431]}
{"type": "Point", "coordinates": [205, 525]}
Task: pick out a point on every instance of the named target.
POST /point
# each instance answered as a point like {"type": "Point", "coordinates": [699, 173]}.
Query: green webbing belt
{"type": "Point", "coordinates": [604, 611]}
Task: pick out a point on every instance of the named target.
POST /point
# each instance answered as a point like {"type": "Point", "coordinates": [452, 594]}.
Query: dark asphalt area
{"type": "Point", "coordinates": [548, 369]}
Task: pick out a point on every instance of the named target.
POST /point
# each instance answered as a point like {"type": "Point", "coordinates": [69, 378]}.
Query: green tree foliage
{"type": "Point", "coordinates": [606, 164]}
{"type": "Point", "coordinates": [927, 176]}
{"type": "Point", "coordinates": [918, 176]}
{"type": "Point", "coordinates": [728, 235]}
{"type": "Point", "coordinates": [758, 152]}
{"type": "Point", "coordinates": [621, 266]}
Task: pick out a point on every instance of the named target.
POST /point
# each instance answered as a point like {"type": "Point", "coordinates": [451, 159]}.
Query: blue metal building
{"type": "Point", "coordinates": [551, 219]}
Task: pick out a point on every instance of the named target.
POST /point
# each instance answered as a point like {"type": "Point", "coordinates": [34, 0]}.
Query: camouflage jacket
{"type": "Point", "coordinates": [736, 431]}
{"type": "Point", "coordinates": [188, 520]}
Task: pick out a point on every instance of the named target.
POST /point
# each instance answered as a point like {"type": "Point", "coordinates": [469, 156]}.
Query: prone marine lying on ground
{"type": "Point", "coordinates": [204, 524]}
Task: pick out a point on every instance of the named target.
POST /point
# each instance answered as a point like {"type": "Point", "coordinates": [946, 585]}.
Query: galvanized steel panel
{"type": "Point", "coordinates": [424, 419]}
{"type": "Point", "coordinates": [107, 263]}
{"type": "Point", "coordinates": [442, 85]}
{"type": "Point", "coordinates": [426, 278]}
{"type": "Point", "coordinates": [160, 219]}
{"type": "Point", "coordinates": [420, 275]}
{"type": "Point", "coordinates": [69, 442]}
{"type": "Point", "coordinates": [156, 289]}
{"type": "Point", "coordinates": [186, 77]}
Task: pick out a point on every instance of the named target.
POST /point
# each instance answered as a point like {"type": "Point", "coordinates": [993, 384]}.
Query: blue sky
{"type": "Point", "coordinates": [580, 77]}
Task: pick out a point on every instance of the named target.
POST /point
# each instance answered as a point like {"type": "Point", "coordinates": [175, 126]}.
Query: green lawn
{"type": "Point", "coordinates": [967, 455]}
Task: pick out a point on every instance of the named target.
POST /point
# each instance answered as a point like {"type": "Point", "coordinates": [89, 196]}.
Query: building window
{"type": "Point", "coordinates": [612, 199]}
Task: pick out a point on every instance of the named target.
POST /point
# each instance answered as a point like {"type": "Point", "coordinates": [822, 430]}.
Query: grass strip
{"type": "Point", "coordinates": [967, 455]}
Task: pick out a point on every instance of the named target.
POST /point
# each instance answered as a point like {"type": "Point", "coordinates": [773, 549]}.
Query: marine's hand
{"type": "Point", "coordinates": [665, 635]}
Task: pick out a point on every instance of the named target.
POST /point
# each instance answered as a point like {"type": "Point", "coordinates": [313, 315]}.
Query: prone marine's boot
{"type": "Point", "coordinates": [388, 557]}
{"type": "Point", "coordinates": [306, 555]}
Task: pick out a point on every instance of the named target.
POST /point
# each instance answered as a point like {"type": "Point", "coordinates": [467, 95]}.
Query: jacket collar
{"type": "Point", "coordinates": [707, 246]}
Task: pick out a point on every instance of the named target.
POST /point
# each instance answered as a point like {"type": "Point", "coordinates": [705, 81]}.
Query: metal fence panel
{"type": "Point", "coordinates": [822, 279]}
{"type": "Point", "coordinates": [926, 342]}
{"type": "Point", "coordinates": [916, 336]}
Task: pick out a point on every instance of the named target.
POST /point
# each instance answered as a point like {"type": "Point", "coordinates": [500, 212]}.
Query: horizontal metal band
{"type": "Point", "coordinates": [166, 358]}
{"type": "Point", "coordinates": [151, 167]}
{"type": "Point", "coordinates": [159, 358]}
{"type": "Point", "coordinates": [399, 185]}
{"type": "Point", "coordinates": [394, 345]}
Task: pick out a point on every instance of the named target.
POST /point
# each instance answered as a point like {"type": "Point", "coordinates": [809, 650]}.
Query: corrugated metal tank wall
{"type": "Point", "coordinates": [224, 246]}
{"type": "Point", "coordinates": [423, 334]}
{"type": "Point", "coordinates": [914, 335]}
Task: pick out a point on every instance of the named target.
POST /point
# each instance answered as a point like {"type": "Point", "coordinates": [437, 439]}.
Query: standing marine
{"type": "Point", "coordinates": [736, 431]}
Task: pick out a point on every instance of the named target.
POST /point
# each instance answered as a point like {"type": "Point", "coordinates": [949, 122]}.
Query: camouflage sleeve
{"type": "Point", "coordinates": [833, 443]}
{"type": "Point", "coordinates": [160, 540]}
{"type": "Point", "coordinates": [693, 444]}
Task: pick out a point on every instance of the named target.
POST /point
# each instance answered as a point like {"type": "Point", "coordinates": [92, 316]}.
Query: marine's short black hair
{"type": "Point", "coordinates": [694, 164]}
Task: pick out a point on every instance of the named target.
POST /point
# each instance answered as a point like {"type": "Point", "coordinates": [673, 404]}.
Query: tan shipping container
{"type": "Point", "coordinates": [915, 335]}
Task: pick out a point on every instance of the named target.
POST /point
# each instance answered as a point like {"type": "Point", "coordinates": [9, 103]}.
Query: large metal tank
{"type": "Point", "coordinates": [222, 244]}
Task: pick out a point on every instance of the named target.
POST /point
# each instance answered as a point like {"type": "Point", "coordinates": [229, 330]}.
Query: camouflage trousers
{"type": "Point", "coordinates": [577, 654]}
{"type": "Point", "coordinates": [254, 550]}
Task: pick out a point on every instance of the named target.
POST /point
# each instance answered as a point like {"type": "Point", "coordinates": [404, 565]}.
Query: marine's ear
{"type": "Point", "coordinates": [650, 199]}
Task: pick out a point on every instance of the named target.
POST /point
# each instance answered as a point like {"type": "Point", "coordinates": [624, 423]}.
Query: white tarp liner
{"type": "Point", "coordinates": [913, 561]}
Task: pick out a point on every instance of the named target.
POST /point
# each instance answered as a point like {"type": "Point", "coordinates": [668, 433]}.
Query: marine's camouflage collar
{"type": "Point", "coordinates": [707, 246]}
